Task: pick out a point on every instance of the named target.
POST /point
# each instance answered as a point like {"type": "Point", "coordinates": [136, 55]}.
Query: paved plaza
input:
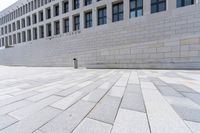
{"type": "Point", "coordinates": [65, 100]}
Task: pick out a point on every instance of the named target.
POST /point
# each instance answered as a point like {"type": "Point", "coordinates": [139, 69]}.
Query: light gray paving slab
{"type": "Point", "coordinates": [95, 95]}
{"type": "Point", "coordinates": [194, 126]}
{"type": "Point", "coordinates": [14, 106]}
{"type": "Point", "coordinates": [128, 121]}
{"type": "Point", "coordinates": [162, 118]}
{"type": "Point", "coordinates": [92, 126]}
{"type": "Point", "coordinates": [69, 100]}
{"type": "Point", "coordinates": [69, 119]}
{"type": "Point", "coordinates": [43, 95]}
{"type": "Point", "coordinates": [133, 78]}
{"type": "Point", "coordinates": [133, 101]}
{"type": "Point", "coordinates": [38, 131]}
{"type": "Point", "coordinates": [2, 97]}
{"type": "Point", "coordinates": [33, 108]}
{"type": "Point", "coordinates": [6, 121]}
{"type": "Point", "coordinates": [117, 91]}
{"type": "Point", "coordinates": [106, 109]}
{"type": "Point", "coordinates": [133, 88]}
{"type": "Point", "coordinates": [33, 122]}
{"type": "Point", "coordinates": [17, 98]}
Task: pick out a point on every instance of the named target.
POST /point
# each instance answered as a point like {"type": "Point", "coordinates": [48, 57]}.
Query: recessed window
{"type": "Point", "coordinates": [28, 20]}
{"type": "Point", "coordinates": [48, 28]}
{"type": "Point", "coordinates": [23, 23]}
{"type": "Point", "coordinates": [34, 17]}
{"type": "Point", "coordinates": [76, 4]}
{"type": "Point", "coordinates": [48, 13]}
{"type": "Point", "coordinates": [76, 23]}
{"type": "Point", "coordinates": [88, 19]}
{"type": "Point", "coordinates": [18, 24]}
{"type": "Point", "coordinates": [65, 25]}
{"type": "Point", "coordinates": [182, 3]}
{"type": "Point", "coordinates": [14, 39]}
{"type": "Point", "coordinates": [158, 6]}
{"type": "Point", "coordinates": [65, 6]}
{"type": "Point", "coordinates": [23, 36]}
{"type": "Point", "coordinates": [41, 16]}
{"type": "Point", "coordinates": [34, 33]}
{"type": "Point", "coordinates": [57, 27]}
{"type": "Point", "coordinates": [41, 31]}
{"type": "Point", "coordinates": [136, 8]}
{"type": "Point", "coordinates": [56, 10]}
{"type": "Point", "coordinates": [18, 38]}
{"type": "Point", "coordinates": [102, 16]}
{"type": "Point", "coordinates": [29, 35]}
{"type": "Point", "coordinates": [118, 13]}
{"type": "Point", "coordinates": [10, 40]}
{"type": "Point", "coordinates": [87, 2]}
{"type": "Point", "coordinates": [13, 26]}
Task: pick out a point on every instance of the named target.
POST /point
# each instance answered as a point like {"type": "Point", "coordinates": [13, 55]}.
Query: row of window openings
{"type": "Point", "coordinates": [34, 5]}
{"type": "Point", "coordinates": [136, 9]}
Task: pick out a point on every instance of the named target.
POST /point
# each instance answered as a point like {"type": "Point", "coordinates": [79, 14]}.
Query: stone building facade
{"type": "Point", "coordinates": [102, 33]}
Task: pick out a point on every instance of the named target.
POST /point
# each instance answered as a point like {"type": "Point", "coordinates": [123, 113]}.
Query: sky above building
{"type": "Point", "coordinates": [6, 3]}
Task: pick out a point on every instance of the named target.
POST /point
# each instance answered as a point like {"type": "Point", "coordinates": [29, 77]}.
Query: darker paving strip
{"type": "Point", "coordinates": [133, 99]}
{"type": "Point", "coordinates": [195, 97]}
{"type": "Point", "coordinates": [106, 110]}
{"type": "Point", "coordinates": [68, 120]}
{"type": "Point", "coordinates": [182, 88]}
{"type": "Point", "coordinates": [157, 81]}
{"type": "Point", "coordinates": [188, 113]}
{"type": "Point", "coordinates": [6, 121]}
{"type": "Point", "coordinates": [168, 91]}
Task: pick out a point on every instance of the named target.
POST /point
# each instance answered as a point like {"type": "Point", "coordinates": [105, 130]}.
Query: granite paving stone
{"type": "Point", "coordinates": [6, 121]}
{"type": "Point", "coordinates": [68, 120]}
{"type": "Point", "coordinates": [33, 122]}
{"type": "Point", "coordinates": [128, 121]}
{"type": "Point", "coordinates": [106, 109]}
{"type": "Point", "coordinates": [67, 100]}
{"type": "Point", "coordinates": [92, 126]}
{"type": "Point", "coordinates": [33, 108]}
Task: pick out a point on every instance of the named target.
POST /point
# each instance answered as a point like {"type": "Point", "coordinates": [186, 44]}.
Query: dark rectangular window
{"type": "Point", "coordinates": [76, 4]}
{"type": "Point", "coordinates": [56, 10]}
{"type": "Point", "coordinates": [18, 37]}
{"type": "Point", "coordinates": [34, 17]}
{"type": "Point", "coordinates": [41, 16]}
{"type": "Point", "coordinates": [76, 23]}
{"type": "Point", "coordinates": [48, 28]}
{"type": "Point", "coordinates": [88, 19]}
{"type": "Point", "coordinates": [41, 31]}
{"type": "Point", "coordinates": [28, 20]}
{"type": "Point", "coordinates": [136, 8]}
{"type": "Point", "coordinates": [65, 25]}
{"type": "Point", "coordinates": [29, 35]}
{"type": "Point", "coordinates": [118, 13]}
{"type": "Point", "coordinates": [48, 13]}
{"type": "Point", "coordinates": [102, 16]}
{"type": "Point", "coordinates": [34, 33]}
{"type": "Point", "coordinates": [57, 27]}
{"type": "Point", "coordinates": [23, 36]}
{"type": "Point", "coordinates": [158, 6]}
{"type": "Point", "coordinates": [182, 3]}
{"type": "Point", "coordinates": [65, 6]}
{"type": "Point", "coordinates": [23, 23]}
{"type": "Point", "coordinates": [87, 2]}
